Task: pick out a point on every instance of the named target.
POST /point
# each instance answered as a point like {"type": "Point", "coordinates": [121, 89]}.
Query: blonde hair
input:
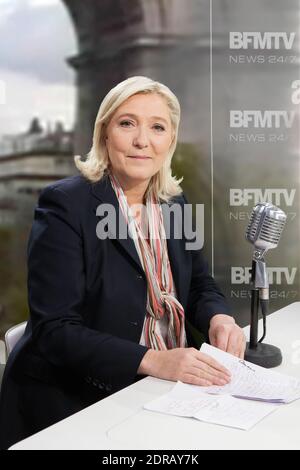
{"type": "Point", "coordinates": [96, 164]}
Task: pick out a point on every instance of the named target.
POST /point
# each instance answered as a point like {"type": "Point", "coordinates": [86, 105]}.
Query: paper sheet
{"type": "Point", "coordinates": [251, 381]}
{"type": "Point", "coordinates": [223, 410]}
{"type": "Point", "coordinates": [252, 394]}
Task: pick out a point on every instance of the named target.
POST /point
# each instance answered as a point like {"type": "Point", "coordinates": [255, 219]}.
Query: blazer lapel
{"type": "Point", "coordinates": [104, 192]}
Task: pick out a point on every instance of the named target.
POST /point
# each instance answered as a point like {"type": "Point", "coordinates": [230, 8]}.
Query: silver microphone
{"type": "Point", "coordinates": [265, 228]}
{"type": "Point", "coordinates": [264, 231]}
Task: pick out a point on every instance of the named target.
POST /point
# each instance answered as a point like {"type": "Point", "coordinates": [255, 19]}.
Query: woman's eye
{"type": "Point", "coordinates": [128, 123]}
{"type": "Point", "coordinates": [159, 127]}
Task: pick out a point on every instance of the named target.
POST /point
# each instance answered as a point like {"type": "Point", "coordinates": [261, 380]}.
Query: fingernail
{"type": "Point", "coordinates": [223, 382]}
{"type": "Point", "coordinates": [226, 377]}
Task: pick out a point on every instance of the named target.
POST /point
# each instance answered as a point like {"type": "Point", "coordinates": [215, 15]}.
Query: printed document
{"type": "Point", "coordinates": [253, 393]}
{"type": "Point", "coordinates": [251, 381]}
{"type": "Point", "coordinates": [184, 400]}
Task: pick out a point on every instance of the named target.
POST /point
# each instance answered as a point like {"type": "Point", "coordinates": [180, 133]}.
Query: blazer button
{"type": "Point", "coordinates": [139, 277]}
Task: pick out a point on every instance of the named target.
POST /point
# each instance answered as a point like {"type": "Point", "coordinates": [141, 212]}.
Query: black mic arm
{"type": "Point", "coordinates": [262, 283]}
{"type": "Point", "coordinates": [265, 355]}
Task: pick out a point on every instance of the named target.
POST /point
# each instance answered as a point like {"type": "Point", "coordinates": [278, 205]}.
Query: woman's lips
{"type": "Point", "coordinates": [139, 157]}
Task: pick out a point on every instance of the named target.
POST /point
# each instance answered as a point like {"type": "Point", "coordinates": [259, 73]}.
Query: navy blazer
{"type": "Point", "coordinates": [87, 300]}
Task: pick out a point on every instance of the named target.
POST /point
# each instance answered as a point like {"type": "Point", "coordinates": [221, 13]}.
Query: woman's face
{"type": "Point", "coordinates": [138, 137]}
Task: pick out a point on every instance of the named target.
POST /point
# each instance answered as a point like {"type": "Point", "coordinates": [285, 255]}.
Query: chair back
{"type": "Point", "coordinates": [12, 336]}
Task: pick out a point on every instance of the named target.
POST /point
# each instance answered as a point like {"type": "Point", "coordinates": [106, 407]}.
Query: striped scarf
{"type": "Point", "coordinates": [153, 255]}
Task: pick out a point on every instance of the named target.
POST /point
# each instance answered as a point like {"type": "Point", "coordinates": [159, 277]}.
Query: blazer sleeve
{"type": "Point", "coordinates": [205, 298]}
{"type": "Point", "coordinates": [56, 290]}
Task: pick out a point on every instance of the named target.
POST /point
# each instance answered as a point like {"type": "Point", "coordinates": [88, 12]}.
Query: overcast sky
{"type": "Point", "coordinates": [36, 37]}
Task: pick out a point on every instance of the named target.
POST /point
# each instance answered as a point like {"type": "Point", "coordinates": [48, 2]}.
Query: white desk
{"type": "Point", "coordinates": [119, 421]}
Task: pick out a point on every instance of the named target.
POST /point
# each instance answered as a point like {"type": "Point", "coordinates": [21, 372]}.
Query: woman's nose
{"type": "Point", "coordinates": [141, 137]}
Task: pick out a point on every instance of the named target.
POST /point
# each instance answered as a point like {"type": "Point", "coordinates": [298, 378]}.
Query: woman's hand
{"type": "Point", "coordinates": [225, 334]}
{"type": "Point", "coordinates": [185, 364]}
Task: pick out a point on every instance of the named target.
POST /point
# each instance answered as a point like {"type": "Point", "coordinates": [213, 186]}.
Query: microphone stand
{"type": "Point", "coordinates": [265, 355]}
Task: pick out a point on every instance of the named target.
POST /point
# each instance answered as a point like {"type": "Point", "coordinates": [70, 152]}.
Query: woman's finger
{"type": "Point", "coordinates": [210, 374]}
{"type": "Point", "coordinates": [210, 361]}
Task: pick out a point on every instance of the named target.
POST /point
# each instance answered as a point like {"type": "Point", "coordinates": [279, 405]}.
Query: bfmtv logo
{"type": "Point", "coordinates": [261, 119]}
{"type": "Point", "coordinates": [258, 40]}
{"type": "Point", "coordinates": [276, 275]}
{"type": "Point", "coordinates": [253, 196]}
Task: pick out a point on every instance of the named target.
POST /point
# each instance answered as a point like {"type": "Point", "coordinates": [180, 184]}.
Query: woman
{"type": "Point", "coordinates": [106, 310]}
